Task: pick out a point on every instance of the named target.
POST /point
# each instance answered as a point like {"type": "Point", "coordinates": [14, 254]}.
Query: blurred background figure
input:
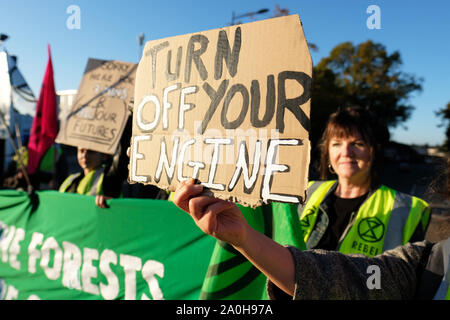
{"type": "Point", "coordinates": [89, 180]}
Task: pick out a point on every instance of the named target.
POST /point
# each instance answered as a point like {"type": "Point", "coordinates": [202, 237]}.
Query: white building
{"type": "Point", "coordinates": [17, 108]}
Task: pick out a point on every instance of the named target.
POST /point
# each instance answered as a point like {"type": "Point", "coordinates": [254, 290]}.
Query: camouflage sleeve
{"type": "Point", "coordinates": [329, 275]}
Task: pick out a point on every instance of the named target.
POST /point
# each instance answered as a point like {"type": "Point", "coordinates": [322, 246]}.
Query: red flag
{"type": "Point", "coordinates": [45, 123]}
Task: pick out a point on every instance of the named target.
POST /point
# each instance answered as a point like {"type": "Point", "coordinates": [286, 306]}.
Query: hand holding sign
{"type": "Point", "coordinates": [218, 218]}
{"type": "Point", "coordinates": [216, 111]}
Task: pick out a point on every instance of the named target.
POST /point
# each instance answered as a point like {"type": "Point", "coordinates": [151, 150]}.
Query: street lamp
{"type": "Point", "coordinates": [248, 14]}
{"type": "Point", "coordinates": [3, 38]}
{"type": "Point", "coordinates": [140, 40]}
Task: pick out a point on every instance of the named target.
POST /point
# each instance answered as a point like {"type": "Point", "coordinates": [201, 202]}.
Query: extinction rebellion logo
{"type": "Point", "coordinates": [371, 229]}
{"type": "Point", "coordinates": [305, 221]}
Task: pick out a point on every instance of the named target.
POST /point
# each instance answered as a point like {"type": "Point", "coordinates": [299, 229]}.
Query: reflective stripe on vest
{"type": "Point", "coordinates": [97, 182]}
{"type": "Point", "coordinates": [312, 187]}
{"type": "Point", "coordinates": [443, 293]}
{"type": "Point", "coordinates": [91, 184]}
{"type": "Point", "coordinates": [385, 220]}
{"type": "Point", "coordinates": [316, 192]}
{"type": "Point", "coordinates": [406, 213]}
{"type": "Point", "coordinates": [68, 182]}
{"type": "Point", "coordinates": [399, 215]}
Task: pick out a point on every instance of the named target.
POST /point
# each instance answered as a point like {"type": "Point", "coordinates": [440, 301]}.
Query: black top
{"type": "Point", "coordinates": [339, 217]}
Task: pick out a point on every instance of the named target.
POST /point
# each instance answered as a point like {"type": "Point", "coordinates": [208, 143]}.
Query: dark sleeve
{"type": "Point", "coordinates": [419, 233]}
{"type": "Point", "coordinates": [433, 272]}
{"type": "Point", "coordinates": [422, 226]}
{"type": "Point", "coordinates": [116, 171]}
{"type": "Point", "coordinates": [328, 275]}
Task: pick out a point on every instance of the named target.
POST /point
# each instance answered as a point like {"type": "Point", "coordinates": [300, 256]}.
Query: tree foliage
{"type": "Point", "coordinates": [365, 75]}
{"type": "Point", "coordinates": [444, 114]}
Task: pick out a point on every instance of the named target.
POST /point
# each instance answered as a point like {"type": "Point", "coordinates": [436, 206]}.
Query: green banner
{"type": "Point", "coordinates": [62, 246]}
{"type": "Point", "coordinates": [230, 275]}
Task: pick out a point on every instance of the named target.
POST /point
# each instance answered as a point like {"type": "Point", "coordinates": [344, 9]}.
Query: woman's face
{"type": "Point", "coordinates": [350, 156]}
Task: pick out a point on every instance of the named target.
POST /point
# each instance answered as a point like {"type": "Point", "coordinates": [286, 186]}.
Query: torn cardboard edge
{"type": "Point", "coordinates": [201, 74]}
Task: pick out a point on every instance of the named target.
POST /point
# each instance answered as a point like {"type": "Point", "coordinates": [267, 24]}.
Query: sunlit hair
{"type": "Point", "coordinates": [348, 122]}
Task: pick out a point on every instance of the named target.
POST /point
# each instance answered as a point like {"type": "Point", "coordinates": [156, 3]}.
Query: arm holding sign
{"type": "Point", "coordinates": [312, 274]}
{"type": "Point", "coordinates": [224, 221]}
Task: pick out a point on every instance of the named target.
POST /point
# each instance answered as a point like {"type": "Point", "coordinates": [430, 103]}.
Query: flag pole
{"type": "Point", "coordinates": [22, 167]}
{"type": "Point", "coordinates": [18, 135]}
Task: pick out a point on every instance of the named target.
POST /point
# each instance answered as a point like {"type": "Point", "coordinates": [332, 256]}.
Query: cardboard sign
{"type": "Point", "coordinates": [229, 107]}
{"type": "Point", "coordinates": [100, 111]}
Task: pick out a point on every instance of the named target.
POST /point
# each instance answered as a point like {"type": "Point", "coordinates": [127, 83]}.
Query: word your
{"type": "Point", "coordinates": [80, 268]}
{"type": "Point", "coordinates": [374, 21]}
{"type": "Point", "coordinates": [74, 20]}
{"type": "Point", "coordinates": [374, 281]}
{"type": "Point", "coordinates": [95, 121]}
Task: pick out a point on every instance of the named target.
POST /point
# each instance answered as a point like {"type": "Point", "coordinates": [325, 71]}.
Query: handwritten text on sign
{"type": "Point", "coordinates": [100, 111]}
{"type": "Point", "coordinates": [229, 107]}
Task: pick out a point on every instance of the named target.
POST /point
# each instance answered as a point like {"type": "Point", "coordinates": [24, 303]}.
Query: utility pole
{"type": "Point", "coordinates": [3, 38]}
{"type": "Point", "coordinates": [140, 40]}
{"type": "Point", "coordinates": [248, 14]}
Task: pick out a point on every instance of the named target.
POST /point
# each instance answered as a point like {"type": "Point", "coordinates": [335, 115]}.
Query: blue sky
{"type": "Point", "coordinates": [418, 29]}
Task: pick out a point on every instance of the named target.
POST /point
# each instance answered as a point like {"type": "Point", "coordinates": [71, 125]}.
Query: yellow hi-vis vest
{"type": "Point", "coordinates": [91, 184]}
{"type": "Point", "coordinates": [385, 220]}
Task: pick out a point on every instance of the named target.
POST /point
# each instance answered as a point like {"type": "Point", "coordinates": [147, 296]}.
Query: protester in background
{"type": "Point", "coordinates": [414, 271]}
{"type": "Point", "coordinates": [50, 165]}
{"type": "Point", "coordinates": [45, 176]}
{"type": "Point", "coordinates": [355, 213]}
{"type": "Point", "coordinates": [14, 177]}
{"type": "Point", "coordinates": [89, 180]}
